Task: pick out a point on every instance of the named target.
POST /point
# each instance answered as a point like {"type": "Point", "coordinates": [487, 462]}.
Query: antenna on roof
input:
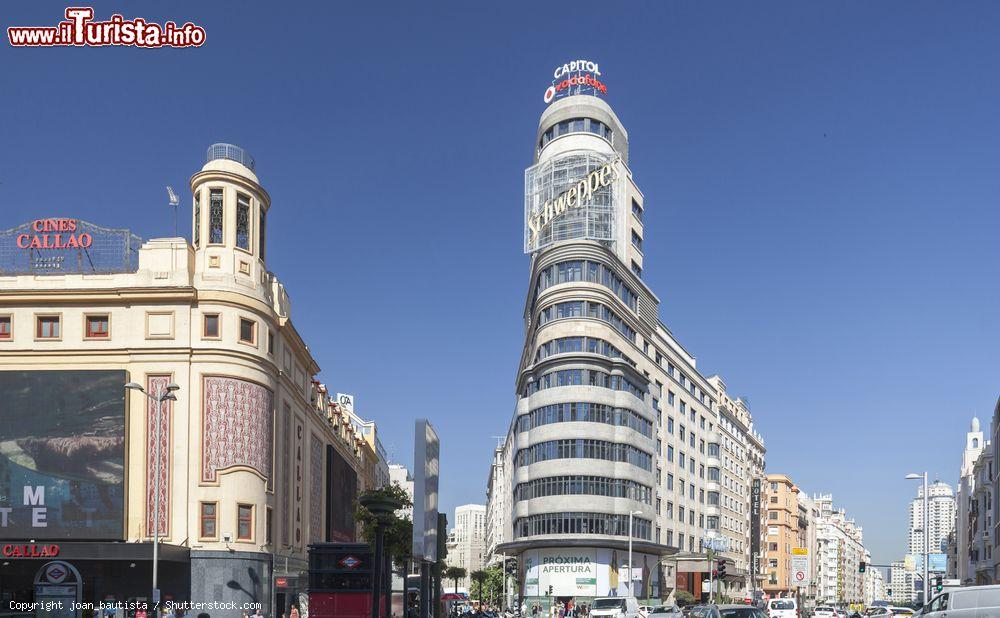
{"type": "Point", "coordinates": [500, 440]}
{"type": "Point", "coordinates": [172, 197]}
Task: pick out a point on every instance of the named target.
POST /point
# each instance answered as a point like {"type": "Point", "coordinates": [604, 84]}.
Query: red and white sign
{"type": "Point", "coordinates": [30, 551]}
{"type": "Point", "coordinates": [349, 562]}
{"type": "Point", "coordinates": [56, 573]}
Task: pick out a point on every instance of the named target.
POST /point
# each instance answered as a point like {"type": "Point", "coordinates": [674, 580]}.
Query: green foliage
{"type": "Point", "coordinates": [455, 574]}
{"type": "Point", "coordinates": [479, 578]}
{"type": "Point", "coordinates": [494, 583]}
{"type": "Point", "coordinates": [684, 598]}
{"type": "Point", "coordinates": [398, 532]}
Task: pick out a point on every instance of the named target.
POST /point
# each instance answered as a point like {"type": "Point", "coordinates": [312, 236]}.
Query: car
{"type": "Point", "coordinates": [965, 602]}
{"type": "Point", "coordinates": [896, 612]}
{"type": "Point", "coordinates": [615, 607]}
{"type": "Point", "coordinates": [741, 611]}
{"type": "Point", "coordinates": [824, 611]}
{"type": "Point", "coordinates": [704, 611]}
{"type": "Point", "coordinates": [665, 611]}
{"type": "Point", "coordinates": [783, 608]}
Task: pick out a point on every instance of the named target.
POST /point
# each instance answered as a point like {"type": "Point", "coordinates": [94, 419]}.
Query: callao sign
{"type": "Point", "coordinates": [30, 551]}
{"type": "Point", "coordinates": [54, 234]}
{"type": "Point", "coordinates": [575, 77]}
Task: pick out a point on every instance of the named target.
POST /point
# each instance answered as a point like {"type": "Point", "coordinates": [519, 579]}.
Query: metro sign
{"type": "Point", "coordinates": [56, 573]}
{"type": "Point", "coordinates": [349, 562]}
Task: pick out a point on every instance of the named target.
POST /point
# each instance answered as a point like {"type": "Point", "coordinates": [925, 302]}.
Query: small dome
{"type": "Point", "coordinates": [975, 424]}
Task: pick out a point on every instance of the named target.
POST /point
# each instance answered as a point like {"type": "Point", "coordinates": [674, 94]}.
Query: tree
{"type": "Point", "coordinates": [455, 574]}
{"type": "Point", "coordinates": [480, 578]}
{"type": "Point", "coordinates": [494, 583]}
{"type": "Point", "coordinates": [398, 532]}
{"type": "Point", "coordinates": [684, 598]}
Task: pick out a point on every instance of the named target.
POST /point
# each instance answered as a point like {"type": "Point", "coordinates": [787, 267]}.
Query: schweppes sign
{"type": "Point", "coordinates": [577, 196]}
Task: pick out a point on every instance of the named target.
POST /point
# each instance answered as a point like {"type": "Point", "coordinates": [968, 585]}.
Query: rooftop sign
{"type": "Point", "coordinates": [61, 245]}
{"type": "Point", "coordinates": [575, 77]}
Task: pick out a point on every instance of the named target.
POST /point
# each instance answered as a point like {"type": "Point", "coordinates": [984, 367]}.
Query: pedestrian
{"type": "Point", "coordinates": [258, 614]}
{"type": "Point", "coordinates": [294, 613]}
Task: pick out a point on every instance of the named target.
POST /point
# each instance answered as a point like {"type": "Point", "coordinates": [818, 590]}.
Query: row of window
{"type": "Point", "coordinates": [582, 523]}
{"type": "Point", "coordinates": [585, 270]}
{"type": "Point", "coordinates": [95, 326]}
{"type": "Point", "coordinates": [209, 528]}
{"type": "Point", "coordinates": [581, 485]}
{"type": "Point", "coordinates": [216, 221]}
{"type": "Point", "coordinates": [585, 412]}
{"type": "Point", "coordinates": [591, 345]}
{"type": "Point", "coordinates": [585, 449]}
{"type": "Point", "coordinates": [586, 309]}
{"type": "Point", "coordinates": [575, 125]}
{"type": "Point", "coordinates": [582, 377]}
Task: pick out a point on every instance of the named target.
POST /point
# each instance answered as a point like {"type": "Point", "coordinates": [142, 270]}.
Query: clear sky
{"type": "Point", "coordinates": [821, 185]}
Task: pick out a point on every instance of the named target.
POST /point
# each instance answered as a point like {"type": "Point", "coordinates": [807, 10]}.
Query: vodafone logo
{"type": "Point", "coordinates": [550, 93]}
{"type": "Point", "coordinates": [576, 77]}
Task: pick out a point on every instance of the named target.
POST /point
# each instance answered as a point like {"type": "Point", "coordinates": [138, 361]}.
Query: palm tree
{"type": "Point", "coordinates": [455, 574]}
{"type": "Point", "coordinates": [480, 578]}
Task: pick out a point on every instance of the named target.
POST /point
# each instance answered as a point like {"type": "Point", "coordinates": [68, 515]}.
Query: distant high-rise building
{"type": "Point", "coordinates": [467, 541]}
{"type": "Point", "coordinates": [941, 505]}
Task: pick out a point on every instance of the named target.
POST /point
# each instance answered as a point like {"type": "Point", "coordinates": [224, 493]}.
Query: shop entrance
{"type": "Point", "coordinates": [58, 590]}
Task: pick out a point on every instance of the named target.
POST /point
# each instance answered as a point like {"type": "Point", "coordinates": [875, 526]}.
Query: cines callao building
{"type": "Point", "coordinates": [616, 435]}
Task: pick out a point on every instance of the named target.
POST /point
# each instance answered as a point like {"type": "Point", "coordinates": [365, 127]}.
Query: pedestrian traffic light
{"type": "Point", "coordinates": [722, 569]}
{"type": "Point", "coordinates": [888, 592]}
{"type": "Point", "coordinates": [550, 590]}
{"type": "Point", "coordinates": [938, 584]}
{"type": "Point", "coordinates": [862, 566]}
{"type": "Point", "coordinates": [510, 567]}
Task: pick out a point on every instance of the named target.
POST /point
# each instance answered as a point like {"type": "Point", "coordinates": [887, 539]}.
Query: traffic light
{"type": "Point", "coordinates": [938, 584]}
{"type": "Point", "coordinates": [888, 592]}
{"type": "Point", "coordinates": [722, 569]}
{"type": "Point", "coordinates": [862, 566]}
{"type": "Point", "coordinates": [510, 567]}
{"type": "Point", "coordinates": [550, 590]}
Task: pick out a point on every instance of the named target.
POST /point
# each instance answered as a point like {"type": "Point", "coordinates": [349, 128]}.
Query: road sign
{"type": "Point", "coordinates": [800, 551]}
{"type": "Point", "coordinates": [800, 570]}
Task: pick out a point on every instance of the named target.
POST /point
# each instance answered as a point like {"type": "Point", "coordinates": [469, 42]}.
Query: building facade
{"type": "Point", "coordinates": [980, 520]}
{"type": "Point", "coordinates": [616, 434]}
{"type": "Point", "coordinates": [874, 585]}
{"type": "Point", "coordinates": [252, 465]}
{"type": "Point", "coordinates": [467, 541]}
{"type": "Point", "coordinates": [974, 446]}
{"type": "Point", "coordinates": [840, 552]}
{"type": "Point", "coordinates": [781, 518]}
{"type": "Point", "coordinates": [942, 509]}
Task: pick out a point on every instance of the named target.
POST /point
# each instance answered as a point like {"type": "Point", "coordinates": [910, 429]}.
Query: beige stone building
{"type": "Point", "coordinates": [781, 520]}
{"type": "Point", "coordinates": [254, 462]}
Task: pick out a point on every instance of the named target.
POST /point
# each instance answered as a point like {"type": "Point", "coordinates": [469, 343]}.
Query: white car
{"type": "Point", "coordinates": [615, 607]}
{"type": "Point", "coordinates": [824, 611]}
{"type": "Point", "coordinates": [665, 611]}
{"type": "Point", "coordinates": [897, 612]}
{"type": "Point", "coordinates": [782, 608]}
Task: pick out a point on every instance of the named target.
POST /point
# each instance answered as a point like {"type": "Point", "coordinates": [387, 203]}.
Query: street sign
{"type": "Point", "coordinates": [800, 551]}
{"type": "Point", "coordinates": [800, 570]}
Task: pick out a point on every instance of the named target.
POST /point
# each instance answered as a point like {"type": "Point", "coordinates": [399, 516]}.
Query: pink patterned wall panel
{"type": "Point", "coordinates": [237, 427]}
{"type": "Point", "coordinates": [166, 412]}
{"type": "Point", "coordinates": [316, 532]}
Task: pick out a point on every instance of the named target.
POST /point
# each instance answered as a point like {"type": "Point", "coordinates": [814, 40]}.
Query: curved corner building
{"type": "Point", "coordinates": [612, 419]}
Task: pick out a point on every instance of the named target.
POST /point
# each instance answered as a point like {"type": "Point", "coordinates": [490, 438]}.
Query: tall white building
{"type": "Point", "coordinates": [974, 446]}
{"type": "Point", "coordinates": [839, 553]}
{"type": "Point", "coordinates": [400, 475]}
{"type": "Point", "coordinates": [941, 505]}
{"type": "Point", "coordinates": [467, 541]}
{"type": "Point", "coordinates": [874, 582]}
{"type": "Point", "coordinates": [901, 587]}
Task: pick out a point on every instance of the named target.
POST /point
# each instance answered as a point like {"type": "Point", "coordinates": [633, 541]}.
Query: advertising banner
{"type": "Point", "coordinates": [62, 454]}
{"type": "Point", "coordinates": [755, 525]}
{"type": "Point", "coordinates": [426, 471]}
{"type": "Point", "coordinates": [342, 488]}
{"type": "Point", "coordinates": [588, 572]}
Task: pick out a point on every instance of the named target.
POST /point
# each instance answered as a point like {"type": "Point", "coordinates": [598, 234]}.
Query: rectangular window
{"type": "Point", "coordinates": [5, 332]}
{"type": "Point", "coordinates": [636, 210]}
{"type": "Point", "coordinates": [242, 221]}
{"type": "Point", "coordinates": [268, 525]}
{"type": "Point", "coordinates": [248, 331]}
{"type": "Point", "coordinates": [215, 218]}
{"type": "Point", "coordinates": [244, 522]}
{"type": "Point", "coordinates": [98, 326]}
{"type": "Point", "coordinates": [270, 341]}
{"type": "Point", "coordinates": [260, 233]}
{"type": "Point", "coordinates": [48, 327]}
{"type": "Point", "coordinates": [209, 518]}
{"type": "Point", "coordinates": [212, 328]}
{"type": "Point", "coordinates": [197, 218]}
{"type": "Point", "coordinates": [636, 269]}
{"type": "Point", "coordinates": [636, 240]}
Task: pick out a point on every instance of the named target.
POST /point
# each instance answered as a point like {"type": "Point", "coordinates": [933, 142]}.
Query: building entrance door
{"type": "Point", "coordinates": [58, 590]}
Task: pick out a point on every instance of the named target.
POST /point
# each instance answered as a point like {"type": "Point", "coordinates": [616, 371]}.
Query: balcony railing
{"type": "Point", "coordinates": [230, 152]}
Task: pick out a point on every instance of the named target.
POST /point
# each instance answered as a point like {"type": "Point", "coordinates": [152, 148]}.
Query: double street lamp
{"type": "Point", "coordinates": [163, 393]}
{"type": "Point", "coordinates": [926, 527]}
{"type": "Point", "coordinates": [382, 507]}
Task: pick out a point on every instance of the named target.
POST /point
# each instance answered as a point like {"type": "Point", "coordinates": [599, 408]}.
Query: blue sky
{"type": "Point", "coordinates": [821, 186]}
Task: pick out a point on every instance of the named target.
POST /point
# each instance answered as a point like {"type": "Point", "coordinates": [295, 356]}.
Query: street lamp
{"type": "Point", "coordinates": [926, 526]}
{"type": "Point", "coordinates": [630, 588]}
{"type": "Point", "coordinates": [382, 507]}
{"type": "Point", "coordinates": [163, 393]}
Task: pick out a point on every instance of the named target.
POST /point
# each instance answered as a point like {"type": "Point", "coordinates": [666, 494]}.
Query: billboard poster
{"type": "Point", "coordinates": [343, 488]}
{"type": "Point", "coordinates": [588, 572]}
{"type": "Point", "coordinates": [426, 471]}
{"type": "Point", "coordinates": [62, 454]}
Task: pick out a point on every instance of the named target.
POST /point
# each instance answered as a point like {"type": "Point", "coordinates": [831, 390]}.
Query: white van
{"type": "Point", "coordinates": [782, 608]}
{"type": "Point", "coordinates": [967, 602]}
{"type": "Point", "coordinates": [615, 607]}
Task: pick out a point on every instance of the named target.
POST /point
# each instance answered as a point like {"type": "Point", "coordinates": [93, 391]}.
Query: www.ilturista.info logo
{"type": "Point", "coordinates": [575, 77]}
{"type": "Point", "coordinates": [81, 30]}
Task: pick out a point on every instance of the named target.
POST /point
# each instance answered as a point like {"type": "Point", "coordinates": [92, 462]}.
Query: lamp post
{"type": "Point", "coordinates": [163, 393]}
{"type": "Point", "coordinates": [382, 507]}
{"type": "Point", "coordinates": [631, 590]}
{"type": "Point", "coordinates": [927, 527]}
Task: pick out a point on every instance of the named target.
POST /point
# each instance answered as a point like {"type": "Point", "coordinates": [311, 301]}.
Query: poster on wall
{"type": "Point", "coordinates": [341, 492]}
{"type": "Point", "coordinates": [587, 572]}
{"type": "Point", "coordinates": [62, 454]}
